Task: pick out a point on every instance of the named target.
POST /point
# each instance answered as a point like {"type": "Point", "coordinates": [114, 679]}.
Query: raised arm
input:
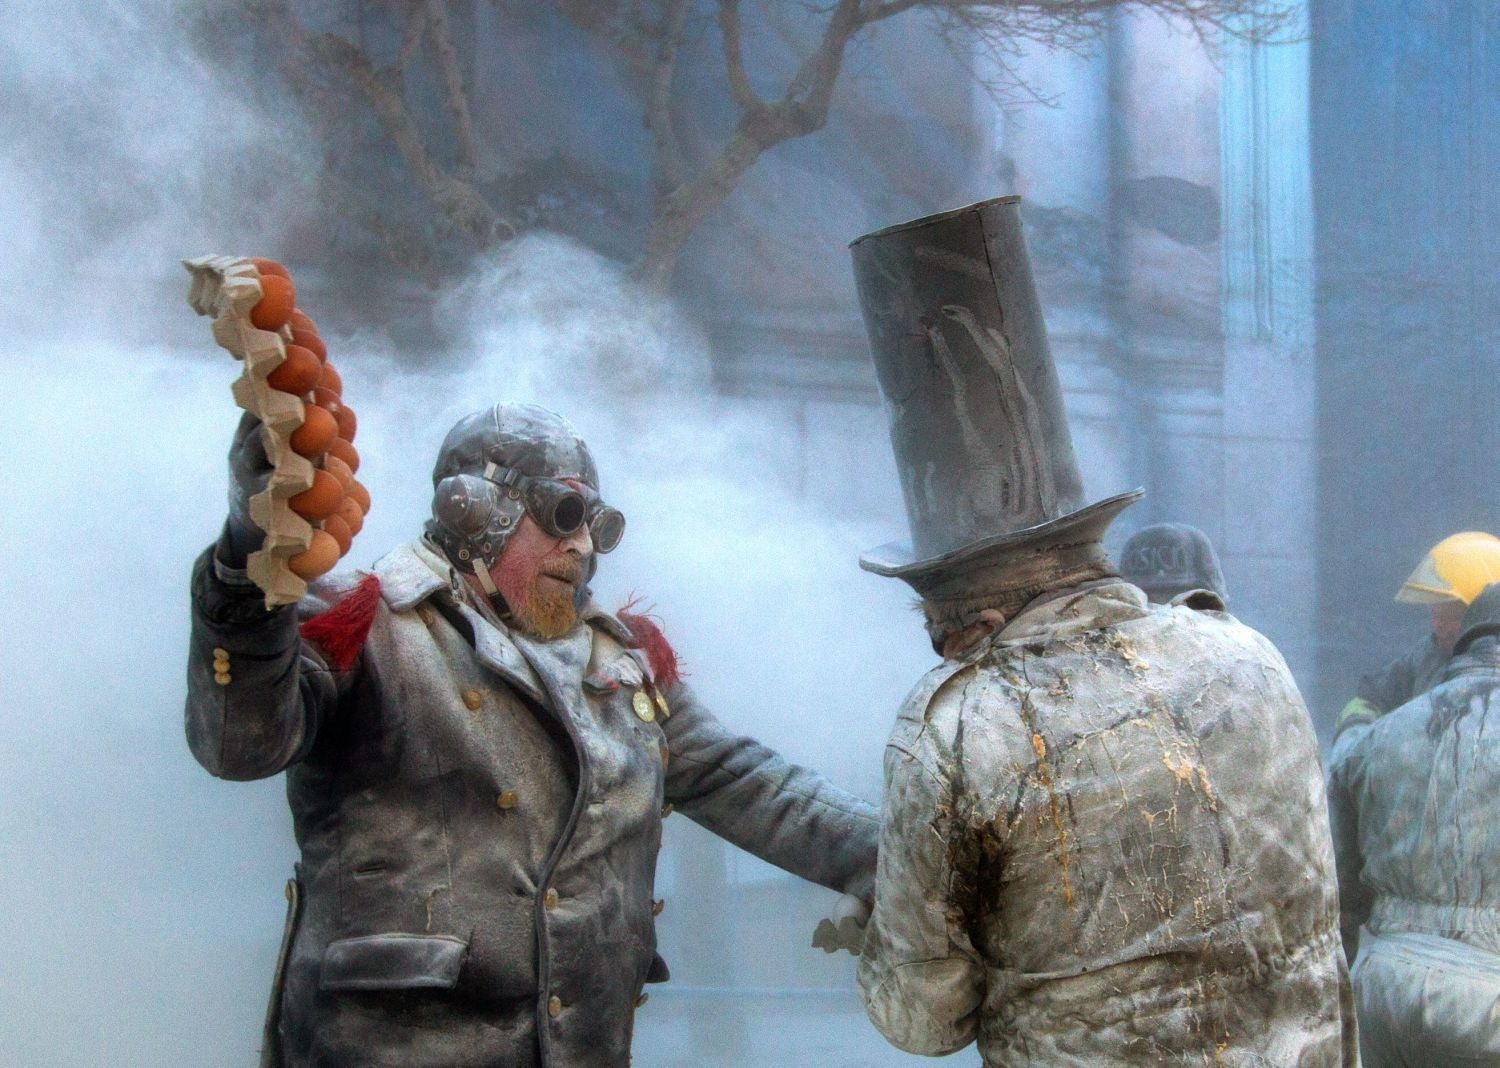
{"type": "Point", "coordinates": [257, 694]}
{"type": "Point", "coordinates": [788, 815]}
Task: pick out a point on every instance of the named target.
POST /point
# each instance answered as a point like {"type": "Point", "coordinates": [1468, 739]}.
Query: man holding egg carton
{"type": "Point", "coordinates": [479, 760]}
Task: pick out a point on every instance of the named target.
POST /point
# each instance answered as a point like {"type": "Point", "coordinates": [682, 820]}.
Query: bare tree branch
{"type": "Point", "coordinates": [416, 29]}
{"type": "Point", "coordinates": [459, 204]}
{"type": "Point", "coordinates": [801, 110]}
{"type": "Point", "coordinates": [649, 38]}
{"type": "Point", "coordinates": [740, 88]}
{"type": "Point", "coordinates": [454, 94]}
{"type": "Point", "coordinates": [669, 161]}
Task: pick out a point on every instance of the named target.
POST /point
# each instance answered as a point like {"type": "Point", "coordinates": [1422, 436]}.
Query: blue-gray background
{"type": "Point", "coordinates": [1270, 287]}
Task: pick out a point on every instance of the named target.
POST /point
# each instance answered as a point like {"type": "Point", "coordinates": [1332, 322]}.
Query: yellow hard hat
{"type": "Point", "coordinates": [1455, 569]}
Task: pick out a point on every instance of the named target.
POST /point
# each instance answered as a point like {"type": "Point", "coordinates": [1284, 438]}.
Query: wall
{"type": "Point", "coordinates": [1406, 153]}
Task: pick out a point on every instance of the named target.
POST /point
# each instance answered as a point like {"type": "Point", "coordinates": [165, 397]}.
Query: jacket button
{"type": "Point", "coordinates": [658, 906]}
{"type": "Point", "coordinates": [472, 699]}
{"type": "Point", "coordinates": [221, 677]}
{"type": "Point", "coordinates": [506, 800]}
{"type": "Point", "coordinates": [642, 1000]}
{"type": "Point", "coordinates": [549, 899]}
{"type": "Point", "coordinates": [426, 614]}
{"type": "Point", "coordinates": [644, 709]}
{"type": "Point", "coordinates": [666, 810]}
{"type": "Point", "coordinates": [554, 1006]}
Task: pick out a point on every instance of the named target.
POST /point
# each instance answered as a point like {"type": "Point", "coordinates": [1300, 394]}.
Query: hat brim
{"type": "Point", "coordinates": [897, 560]}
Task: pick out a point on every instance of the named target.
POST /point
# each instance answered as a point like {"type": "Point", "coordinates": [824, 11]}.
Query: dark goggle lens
{"type": "Point", "coordinates": [606, 527]}
{"type": "Point", "coordinates": [568, 514]}
{"type": "Point", "coordinates": [558, 507]}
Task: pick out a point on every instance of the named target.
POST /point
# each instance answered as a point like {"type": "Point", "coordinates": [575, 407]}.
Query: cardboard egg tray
{"type": "Point", "coordinates": [226, 288]}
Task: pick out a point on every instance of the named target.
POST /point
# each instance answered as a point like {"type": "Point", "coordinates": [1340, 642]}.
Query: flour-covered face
{"type": "Point", "coordinates": [1447, 616]}
{"type": "Point", "coordinates": [539, 575]}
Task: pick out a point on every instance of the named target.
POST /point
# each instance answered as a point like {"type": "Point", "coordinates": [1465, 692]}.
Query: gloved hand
{"type": "Point", "coordinates": [845, 929]}
{"type": "Point", "coordinates": [249, 471]}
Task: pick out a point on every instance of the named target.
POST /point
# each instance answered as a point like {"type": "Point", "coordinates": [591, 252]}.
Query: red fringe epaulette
{"type": "Point", "coordinates": [340, 632]}
{"type": "Point", "coordinates": [646, 630]}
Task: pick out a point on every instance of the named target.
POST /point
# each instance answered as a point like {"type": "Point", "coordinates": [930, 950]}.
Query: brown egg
{"type": "Point", "coordinates": [347, 423]}
{"type": "Point", "coordinates": [277, 299]}
{"type": "Point", "coordinates": [318, 429]}
{"type": "Point", "coordinates": [300, 321]}
{"type": "Point", "coordinates": [339, 470]}
{"type": "Point", "coordinates": [320, 500]}
{"type": "Point", "coordinates": [332, 380]}
{"type": "Point", "coordinates": [360, 496]}
{"type": "Point", "coordinates": [350, 512]}
{"type": "Point", "coordinates": [344, 451]}
{"type": "Point", "coordinates": [336, 526]}
{"type": "Point", "coordinates": [324, 397]}
{"type": "Point", "coordinates": [265, 267]}
{"type": "Point", "coordinates": [318, 558]}
{"type": "Point", "coordinates": [298, 373]}
{"type": "Point", "coordinates": [310, 340]}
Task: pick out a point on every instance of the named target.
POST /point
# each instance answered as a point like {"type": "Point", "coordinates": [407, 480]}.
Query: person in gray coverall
{"type": "Point", "coordinates": [1174, 563]}
{"type": "Point", "coordinates": [478, 778]}
{"type": "Point", "coordinates": [1104, 840]}
{"type": "Point", "coordinates": [1415, 803]}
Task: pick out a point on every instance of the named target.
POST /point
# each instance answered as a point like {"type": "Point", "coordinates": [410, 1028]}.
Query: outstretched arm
{"type": "Point", "coordinates": [788, 815]}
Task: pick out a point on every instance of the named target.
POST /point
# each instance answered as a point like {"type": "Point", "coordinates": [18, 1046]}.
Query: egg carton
{"type": "Point", "coordinates": [226, 288]}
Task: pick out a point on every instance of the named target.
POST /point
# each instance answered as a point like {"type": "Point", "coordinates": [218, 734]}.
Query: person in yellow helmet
{"type": "Point", "coordinates": [1450, 576]}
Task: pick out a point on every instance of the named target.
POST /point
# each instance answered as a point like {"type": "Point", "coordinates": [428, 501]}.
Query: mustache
{"type": "Point", "coordinates": [567, 568]}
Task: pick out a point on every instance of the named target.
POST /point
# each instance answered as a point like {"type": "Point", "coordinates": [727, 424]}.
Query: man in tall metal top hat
{"type": "Point", "coordinates": [1103, 837]}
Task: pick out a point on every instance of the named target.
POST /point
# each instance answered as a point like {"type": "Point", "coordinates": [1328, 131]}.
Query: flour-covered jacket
{"type": "Point", "coordinates": [479, 815]}
{"type": "Point", "coordinates": [1105, 843]}
{"type": "Point", "coordinates": [1415, 804]}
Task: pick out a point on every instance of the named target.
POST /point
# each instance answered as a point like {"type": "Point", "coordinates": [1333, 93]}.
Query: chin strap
{"type": "Point", "coordinates": [482, 576]}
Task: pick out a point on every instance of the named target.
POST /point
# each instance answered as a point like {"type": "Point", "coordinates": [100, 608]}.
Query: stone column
{"type": "Point", "coordinates": [1164, 272]}
{"type": "Point", "coordinates": [1051, 144]}
{"type": "Point", "coordinates": [1270, 492]}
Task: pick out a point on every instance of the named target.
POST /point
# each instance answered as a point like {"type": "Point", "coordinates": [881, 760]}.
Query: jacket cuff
{"type": "Point", "coordinates": [1355, 713]}
{"type": "Point", "coordinates": [222, 596]}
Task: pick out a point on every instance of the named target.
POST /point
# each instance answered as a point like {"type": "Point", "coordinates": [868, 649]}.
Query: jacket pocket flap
{"type": "Point", "coordinates": [393, 962]}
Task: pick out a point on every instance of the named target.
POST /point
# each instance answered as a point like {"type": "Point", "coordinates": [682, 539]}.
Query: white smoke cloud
{"type": "Point", "coordinates": [143, 898]}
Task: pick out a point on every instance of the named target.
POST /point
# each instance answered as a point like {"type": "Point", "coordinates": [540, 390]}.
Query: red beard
{"type": "Point", "coordinates": [549, 609]}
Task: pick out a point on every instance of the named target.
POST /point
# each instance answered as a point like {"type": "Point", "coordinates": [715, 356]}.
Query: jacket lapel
{"type": "Point", "coordinates": [412, 573]}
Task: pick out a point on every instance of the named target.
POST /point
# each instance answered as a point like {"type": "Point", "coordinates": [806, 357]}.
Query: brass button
{"type": "Point", "coordinates": [549, 899]}
{"type": "Point", "coordinates": [426, 614]}
{"type": "Point", "coordinates": [661, 706]}
{"type": "Point", "coordinates": [644, 709]}
{"type": "Point", "coordinates": [554, 1006]}
{"type": "Point", "coordinates": [642, 999]}
{"type": "Point", "coordinates": [221, 677]}
{"type": "Point", "coordinates": [657, 906]}
{"type": "Point", "coordinates": [221, 656]}
{"type": "Point", "coordinates": [472, 699]}
{"type": "Point", "coordinates": [506, 801]}
{"type": "Point", "coordinates": [666, 810]}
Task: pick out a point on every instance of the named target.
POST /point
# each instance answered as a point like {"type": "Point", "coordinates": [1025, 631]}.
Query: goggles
{"type": "Point", "coordinates": [489, 506]}
{"type": "Point", "coordinates": [560, 510]}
